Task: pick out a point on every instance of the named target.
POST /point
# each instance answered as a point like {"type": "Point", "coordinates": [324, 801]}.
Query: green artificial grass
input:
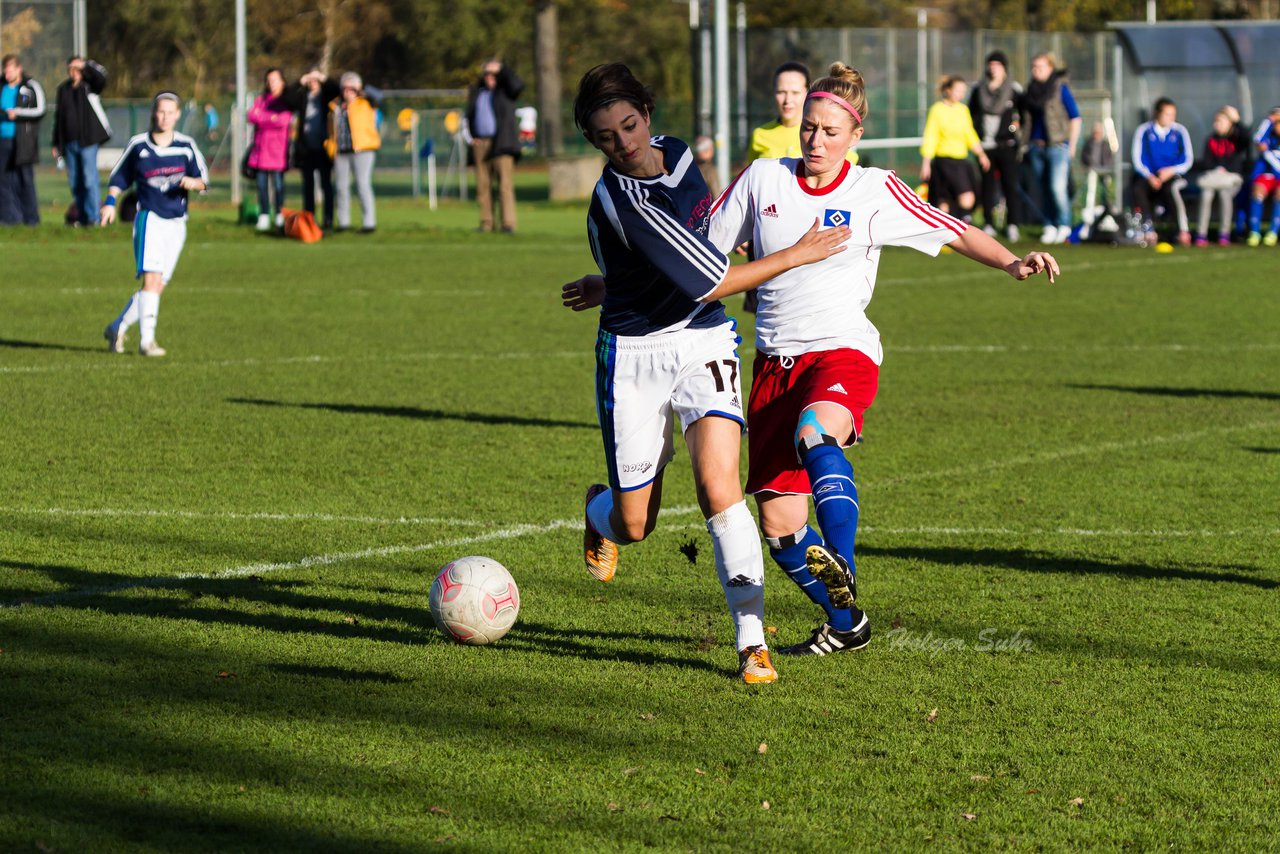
{"type": "Point", "coordinates": [214, 632]}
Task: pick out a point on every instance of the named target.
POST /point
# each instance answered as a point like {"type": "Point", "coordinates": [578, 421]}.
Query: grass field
{"type": "Point", "coordinates": [214, 633]}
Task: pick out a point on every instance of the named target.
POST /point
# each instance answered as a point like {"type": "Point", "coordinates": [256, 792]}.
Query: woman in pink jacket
{"type": "Point", "coordinates": [271, 116]}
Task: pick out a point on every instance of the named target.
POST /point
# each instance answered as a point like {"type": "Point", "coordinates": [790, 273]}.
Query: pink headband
{"type": "Point", "coordinates": [841, 101]}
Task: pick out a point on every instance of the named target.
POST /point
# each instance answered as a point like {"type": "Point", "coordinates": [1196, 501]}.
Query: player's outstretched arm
{"type": "Point", "coordinates": [976, 244]}
{"type": "Point", "coordinates": [816, 245]}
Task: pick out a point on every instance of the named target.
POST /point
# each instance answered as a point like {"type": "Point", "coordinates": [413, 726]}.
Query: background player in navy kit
{"type": "Point", "coordinates": [665, 347]}
{"type": "Point", "coordinates": [165, 166]}
{"type": "Point", "coordinates": [818, 356]}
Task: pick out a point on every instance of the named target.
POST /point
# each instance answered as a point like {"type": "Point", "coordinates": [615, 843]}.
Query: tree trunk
{"type": "Point", "coordinates": [546, 51]}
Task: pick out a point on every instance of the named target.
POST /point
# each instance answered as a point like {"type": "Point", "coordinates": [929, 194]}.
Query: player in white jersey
{"type": "Point", "coordinates": [817, 355]}
{"type": "Point", "coordinates": [665, 349]}
{"type": "Point", "coordinates": [165, 166]}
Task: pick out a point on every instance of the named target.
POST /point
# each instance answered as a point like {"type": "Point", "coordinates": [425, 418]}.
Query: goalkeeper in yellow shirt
{"type": "Point", "coordinates": [948, 138]}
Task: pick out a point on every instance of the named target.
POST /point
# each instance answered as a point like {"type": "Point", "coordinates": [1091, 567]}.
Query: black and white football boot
{"type": "Point", "coordinates": [826, 640]}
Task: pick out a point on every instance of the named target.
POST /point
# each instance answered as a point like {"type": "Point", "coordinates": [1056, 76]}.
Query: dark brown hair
{"type": "Point", "coordinates": [607, 84]}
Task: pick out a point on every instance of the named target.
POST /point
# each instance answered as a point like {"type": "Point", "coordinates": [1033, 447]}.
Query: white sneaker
{"type": "Point", "coordinates": [1013, 234]}
{"type": "Point", "coordinates": [989, 229]}
{"type": "Point", "coordinates": [279, 220]}
{"type": "Point", "coordinates": [151, 348]}
{"type": "Point", "coordinates": [264, 222]}
{"type": "Point", "coordinates": [115, 337]}
{"type": "Point", "coordinates": [1050, 235]}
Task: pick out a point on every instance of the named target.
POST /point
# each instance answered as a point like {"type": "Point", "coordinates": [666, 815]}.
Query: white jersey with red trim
{"type": "Point", "coordinates": [822, 306]}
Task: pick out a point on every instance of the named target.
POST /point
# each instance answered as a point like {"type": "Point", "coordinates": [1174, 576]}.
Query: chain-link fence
{"type": "Point", "coordinates": [902, 68]}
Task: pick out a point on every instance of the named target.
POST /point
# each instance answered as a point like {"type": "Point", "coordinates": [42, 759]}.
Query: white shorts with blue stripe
{"type": "Point", "coordinates": [157, 243]}
{"type": "Point", "coordinates": [643, 383]}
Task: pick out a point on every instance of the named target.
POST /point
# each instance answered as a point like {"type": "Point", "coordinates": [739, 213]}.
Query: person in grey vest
{"type": "Point", "coordinates": [1054, 133]}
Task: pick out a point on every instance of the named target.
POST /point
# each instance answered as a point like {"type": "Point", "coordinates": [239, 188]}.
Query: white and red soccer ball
{"type": "Point", "coordinates": [474, 600]}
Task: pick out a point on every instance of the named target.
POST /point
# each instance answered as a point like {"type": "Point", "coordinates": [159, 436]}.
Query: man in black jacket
{"type": "Point", "coordinates": [21, 108]}
{"type": "Point", "coordinates": [495, 140]}
{"type": "Point", "coordinates": [79, 127]}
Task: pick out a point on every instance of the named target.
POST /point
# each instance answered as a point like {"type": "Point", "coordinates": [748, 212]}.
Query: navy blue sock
{"type": "Point", "coordinates": [1255, 214]}
{"type": "Point", "coordinates": [835, 497]}
{"type": "Point", "coordinates": [788, 553]}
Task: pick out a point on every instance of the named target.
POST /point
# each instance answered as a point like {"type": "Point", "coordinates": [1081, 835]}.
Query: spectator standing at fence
{"type": "Point", "coordinates": [1266, 180]}
{"type": "Point", "coordinates": [309, 148]}
{"type": "Point", "coordinates": [1222, 176]}
{"type": "Point", "coordinates": [353, 144]}
{"type": "Point", "coordinates": [996, 108]}
{"type": "Point", "coordinates": [79, 126]}
{"type": "Point", "coordinates": [495, 141]}
{"type": "Point", "coordinates": [1161, 155]}
{"type": "Point", "coordinates": [22, 105]}
{"type": "Point", "coordinates": [1055, 123]}
{"type": "Point", "coordinates": [1099, 158]}
{"type": "Point", "coordinates": [948, 138]}
{"type": "Point", "coordinates": [271, 116]}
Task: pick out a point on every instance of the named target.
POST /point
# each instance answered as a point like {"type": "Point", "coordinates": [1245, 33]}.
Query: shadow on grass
{"type": "Point", "coordinates": [313, 671]}
{"type": "Point", "coordinates": [237, 601]}
{"type": "Point", "coordinates": [1264, 450]}
{"type": "Point", "coordinates": [1029, 561]}
{"type": "Point", "coordinates": [43, 345]}
{"type": "Point", "coordinates": [419, 413]}
{"type": "Point", "coordinates": [1168, 391]}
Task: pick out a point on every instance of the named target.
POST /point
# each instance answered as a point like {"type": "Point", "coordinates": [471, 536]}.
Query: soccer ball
{"type": "Point", "coordinates": [474, 600]}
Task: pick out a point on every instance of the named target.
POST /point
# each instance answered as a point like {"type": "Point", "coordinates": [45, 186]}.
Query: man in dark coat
{"type": "Point", "coordinates": [495, 140]}
{"type": "Point", "coordinates": [22, 105]}
{"type": "Point", "coordinates": [79, 126]}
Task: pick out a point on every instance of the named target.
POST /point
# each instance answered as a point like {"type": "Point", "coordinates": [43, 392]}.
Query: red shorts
{"type": "Point", "coordinates": [780, 395]}
{"type": "Point", "coordinates": [1268, 182]}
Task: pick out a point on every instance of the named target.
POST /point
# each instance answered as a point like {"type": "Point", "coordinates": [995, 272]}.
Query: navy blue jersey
{"type": "Point", "coordinates": [648, 236]}
{"type": "Point", "coordinates": [1269, 139]}
{"type": "Point", "coordinates": [157, 171]}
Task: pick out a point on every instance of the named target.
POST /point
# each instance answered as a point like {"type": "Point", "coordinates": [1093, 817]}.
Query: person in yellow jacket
{"type": "Point", "coordinates": [948, 138]}
{"type": "Point", "coordinates": [353, 143]}
{"type": "Point", "coordinates": [781, 138]}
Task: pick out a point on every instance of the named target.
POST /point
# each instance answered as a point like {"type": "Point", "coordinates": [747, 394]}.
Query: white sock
{"type": "Point", "coordinates": [599, 510]}
{"type": "Point", "coordinates": [129, 315]}
{"type": "Point", "coordinates": [148, 308]}
{"type": "Point", "coordinates": [740, 565]}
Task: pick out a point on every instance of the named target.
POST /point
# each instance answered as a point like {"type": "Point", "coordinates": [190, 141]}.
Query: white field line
{"type": "Point", "coordinates": [508, 533]}
{"type": "Point", "coordinates": [1078, 451]}
{"type": "Point", "coordinates": [266, 517]}
{"type": "Point", "coordinates": [118, 363]}
{"type": "Point", "coordinates": [391, 521]}
{"type": "Point", "coordinates": [745, 349]}
{"type": "Point", "coordinates": [310, 561]}
{"type": "Point", "coordinates": [522, 530]}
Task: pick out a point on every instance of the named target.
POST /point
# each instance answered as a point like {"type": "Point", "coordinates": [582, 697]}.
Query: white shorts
{"type": "Point", "coordinates": [642, 381]}
{"type": "Point", "coordinates": [157, 243]}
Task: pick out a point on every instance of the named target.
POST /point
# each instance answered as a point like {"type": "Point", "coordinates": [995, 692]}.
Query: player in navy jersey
{"type": "Point", "coordinates": [164, 166]}
{"type": "Point", "coordinates": [817, 355]}
{"type": "Point", "coordinates": [665, 348]}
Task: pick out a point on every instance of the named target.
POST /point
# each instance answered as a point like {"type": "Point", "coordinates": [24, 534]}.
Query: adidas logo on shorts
{"type": "Point", "coordinates": [772, 211]}
{"type": "Point", "coordinates": [837, 387]}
